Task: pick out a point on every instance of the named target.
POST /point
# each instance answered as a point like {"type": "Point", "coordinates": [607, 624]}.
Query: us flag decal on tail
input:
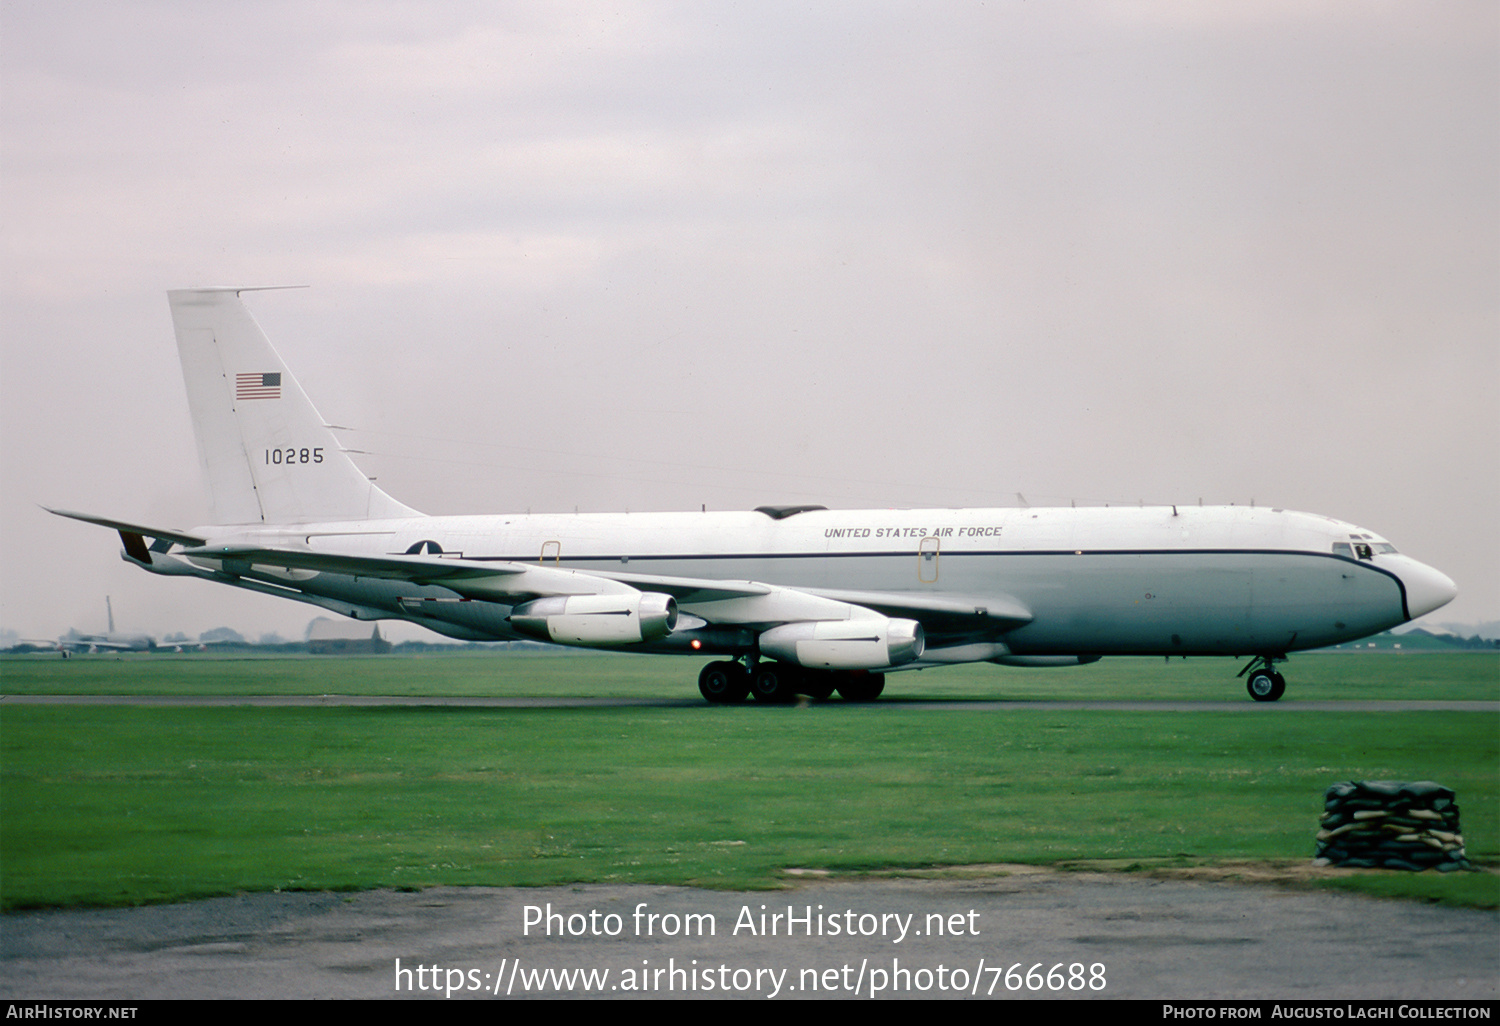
{"type": "Point", "coordinates": [257, 386]}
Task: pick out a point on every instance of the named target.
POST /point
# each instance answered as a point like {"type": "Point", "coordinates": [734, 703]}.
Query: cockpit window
{"type": "Point", "coordinates": [1362, 549]}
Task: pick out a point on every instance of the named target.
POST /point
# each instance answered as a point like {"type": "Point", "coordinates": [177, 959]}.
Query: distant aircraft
{"type": "Point", "coordinates": [111, 642]}
{"type": "Point", "coordinates": [793, 599]}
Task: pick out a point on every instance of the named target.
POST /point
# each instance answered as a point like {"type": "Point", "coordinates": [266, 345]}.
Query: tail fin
{"type": "Point", "coordinates": [266, 454]}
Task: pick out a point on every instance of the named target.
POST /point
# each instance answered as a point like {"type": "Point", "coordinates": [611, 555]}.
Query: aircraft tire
{"type": "Point", "coordinates": [861, 687]}
{"type": "Point", "coordinates": [774, 683]}
{"type": "Point", "coordinates": [724, 683]}
{"type": "Point", "coordinates": [818, 684]}
{"type": "Point", "coordinates": [1266, 685]}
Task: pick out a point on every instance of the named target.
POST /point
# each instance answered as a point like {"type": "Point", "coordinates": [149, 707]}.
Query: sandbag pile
{"type": "Point", "coordinates": [1374, 824]}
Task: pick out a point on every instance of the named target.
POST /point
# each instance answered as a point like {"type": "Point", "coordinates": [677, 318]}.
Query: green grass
{"type": "Point", "coordinates": [1318, 676]}
{"type": "Point", "coordinates": [115, 805]}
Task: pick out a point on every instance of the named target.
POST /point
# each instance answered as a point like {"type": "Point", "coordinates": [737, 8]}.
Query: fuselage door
{"type": "Point", "coordinates": [927, 561]}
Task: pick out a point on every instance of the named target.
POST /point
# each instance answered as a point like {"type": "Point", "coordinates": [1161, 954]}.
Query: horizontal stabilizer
{"type": "Point", "coordinates": [169, 534]}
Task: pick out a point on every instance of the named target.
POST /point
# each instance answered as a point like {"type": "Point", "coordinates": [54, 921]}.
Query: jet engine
{"type": "Point", "coordinates": [866, 644]}
{"type": "Point", "coordinates": [597, 619]}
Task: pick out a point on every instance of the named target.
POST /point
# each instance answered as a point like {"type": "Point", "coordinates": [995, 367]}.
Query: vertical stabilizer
{"type": "Point", "coordinates": [267, 456]}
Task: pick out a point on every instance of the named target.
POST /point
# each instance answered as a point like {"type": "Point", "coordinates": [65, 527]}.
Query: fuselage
{"type": "Point", "coordinates": [1157, 580]}
{"type": "Point", "coordinates": [107, 643]}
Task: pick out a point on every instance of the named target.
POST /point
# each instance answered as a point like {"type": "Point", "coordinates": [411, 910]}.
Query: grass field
{"type": "Point", "coordinates": [122, 805]}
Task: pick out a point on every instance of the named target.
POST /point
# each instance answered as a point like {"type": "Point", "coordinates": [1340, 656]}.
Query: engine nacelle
{"type": "Point", "coordinates": [868, 644]}
{"type": "Point", "coordinates": [597, 619]}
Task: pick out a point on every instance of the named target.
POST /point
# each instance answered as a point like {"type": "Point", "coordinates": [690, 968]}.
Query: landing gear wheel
{"type": "Point", "coordinates": [818, 684]}
{"type": "Point", "coordinates": [724, 683]}
{"type": "Point", "coordinates": [861, 687]}
{"type": "Point", "coordinates": [775, 683]}
{"type": "Point", "coordinates": [1266, 685]}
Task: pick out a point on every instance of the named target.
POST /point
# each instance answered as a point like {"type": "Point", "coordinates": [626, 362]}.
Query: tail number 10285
{"type": "Point", "coordinates": [279, 457]}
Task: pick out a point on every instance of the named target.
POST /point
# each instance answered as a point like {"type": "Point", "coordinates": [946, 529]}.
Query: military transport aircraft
{"type": "Point", "coordinates": [792, 599]}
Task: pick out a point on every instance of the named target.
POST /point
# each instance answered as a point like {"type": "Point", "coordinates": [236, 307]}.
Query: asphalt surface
{"type": "Point", "coordinates": [1110, 936]}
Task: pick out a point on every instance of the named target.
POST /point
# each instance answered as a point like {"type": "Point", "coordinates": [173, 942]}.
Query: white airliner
{"type": "Point", "coordinates": [792, 599]}
{"type": "Point", "coordinates": [114, 641]}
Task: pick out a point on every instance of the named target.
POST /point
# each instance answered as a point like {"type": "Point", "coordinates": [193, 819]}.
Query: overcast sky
{"type": "Point", "coordinates": [656, 255]}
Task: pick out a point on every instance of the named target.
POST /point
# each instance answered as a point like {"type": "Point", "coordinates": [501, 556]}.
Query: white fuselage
{"type": "Point", "coordinates": [1095, 581]}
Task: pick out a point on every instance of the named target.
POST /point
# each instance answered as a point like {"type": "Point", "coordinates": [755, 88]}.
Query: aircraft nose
{"type": "Point", "coordinates": [1426, 589]}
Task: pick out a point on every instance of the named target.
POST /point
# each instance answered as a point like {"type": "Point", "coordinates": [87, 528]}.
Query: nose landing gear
{"type": "Point", "coordinates": [1263, 683]}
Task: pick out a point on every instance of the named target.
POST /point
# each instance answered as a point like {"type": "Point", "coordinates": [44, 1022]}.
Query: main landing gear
{"type": "Point", "coordinates": [724, 683]}
{"type": "Point", "coordinates": [1263, 682]}
{"type": "Point", "coordinates": [777, 683]}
